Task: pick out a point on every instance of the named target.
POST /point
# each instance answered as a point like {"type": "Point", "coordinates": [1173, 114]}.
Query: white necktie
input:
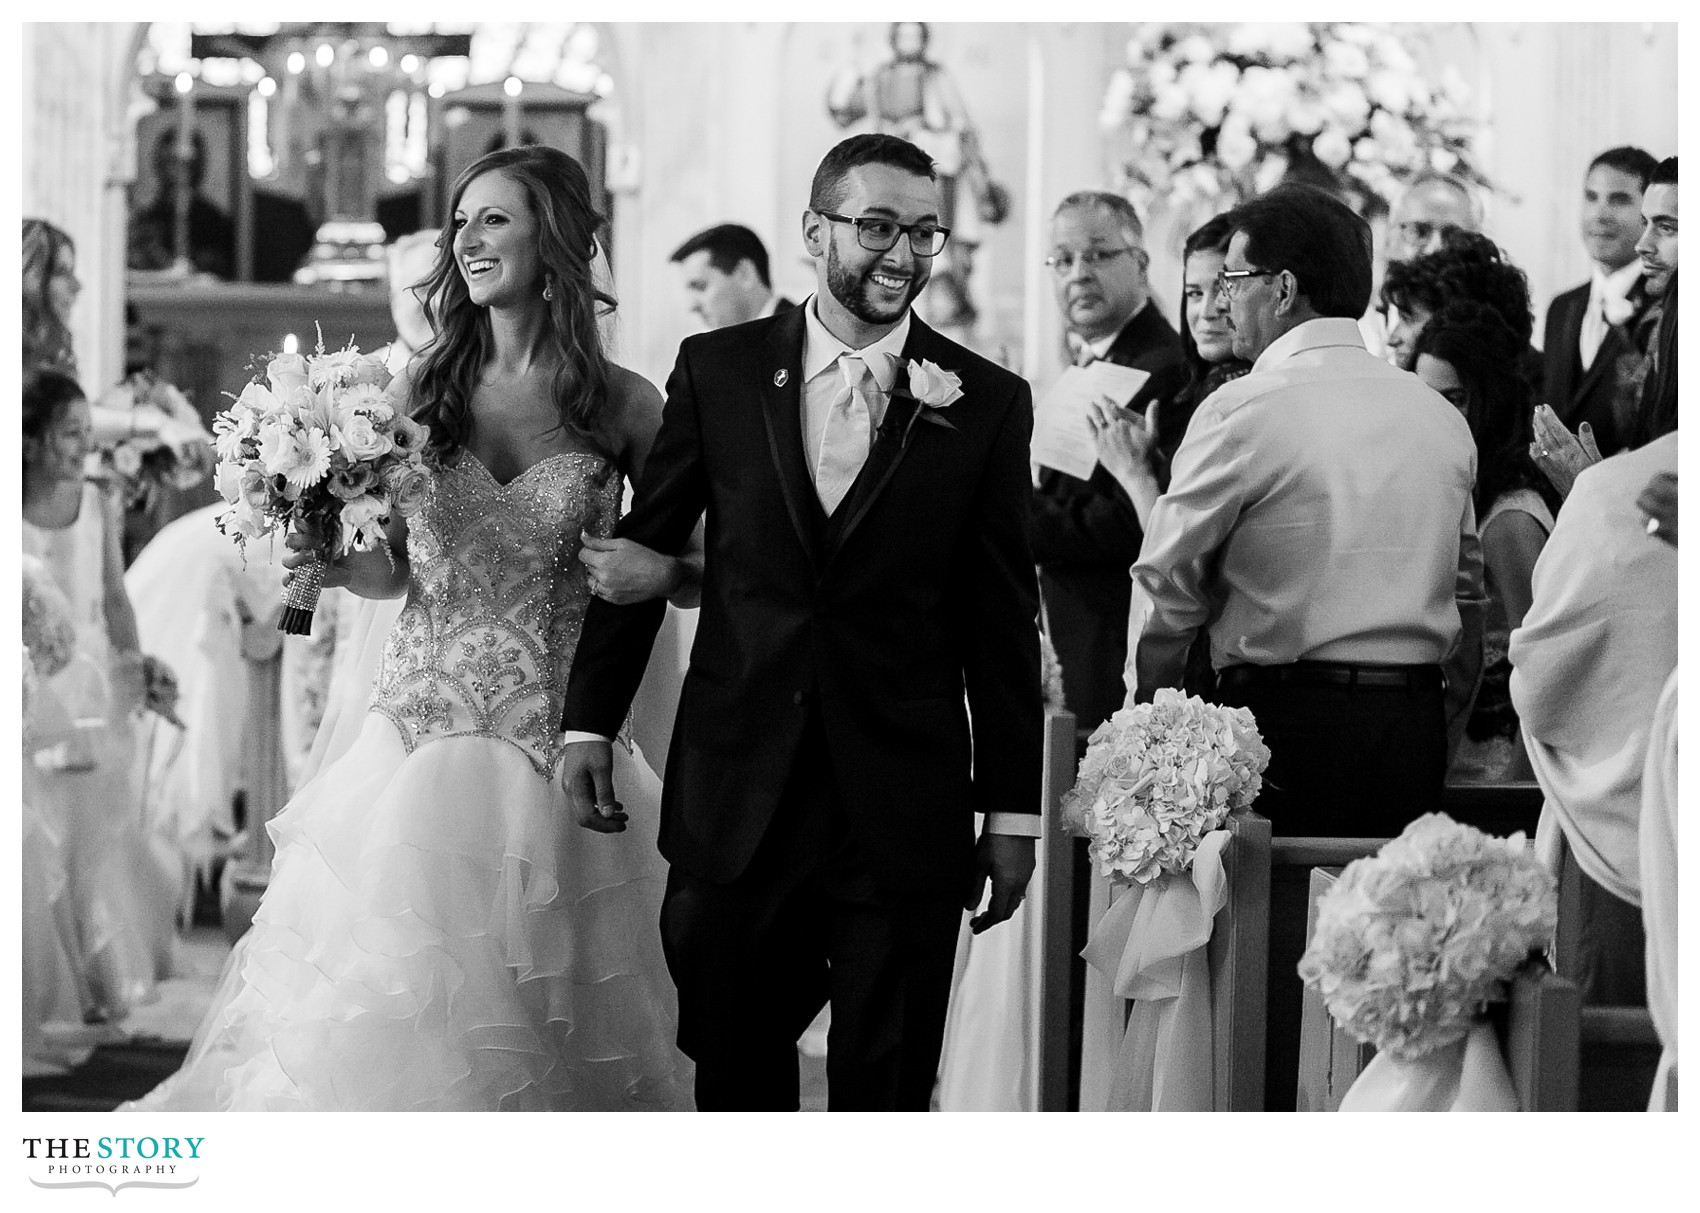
{"type": "Point", "coordinates": [847, 435]}
{"type": "Point", "coordinates": [1593, 329]}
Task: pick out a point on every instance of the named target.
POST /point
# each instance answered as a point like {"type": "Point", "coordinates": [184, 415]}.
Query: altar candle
{"type": "Point", "coordinates": [185, 84]}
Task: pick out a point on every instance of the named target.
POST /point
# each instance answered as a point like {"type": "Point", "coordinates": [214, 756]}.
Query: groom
{"type": "Point", "coordinates": [866, 669]}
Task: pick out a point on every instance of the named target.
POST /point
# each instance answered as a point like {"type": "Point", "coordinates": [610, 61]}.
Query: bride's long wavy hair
{"type": "Point", "coordinates": [568, 226]}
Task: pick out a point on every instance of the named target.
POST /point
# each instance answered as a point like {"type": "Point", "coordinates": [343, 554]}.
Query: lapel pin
{"type": "Point", "coordinates": [781, 377]}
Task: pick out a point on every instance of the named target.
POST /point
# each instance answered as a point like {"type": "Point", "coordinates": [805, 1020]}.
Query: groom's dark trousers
{"type": "Point", "coordinates": [859, 686]}
{"type": "Point", "coordinates": [755, 959]}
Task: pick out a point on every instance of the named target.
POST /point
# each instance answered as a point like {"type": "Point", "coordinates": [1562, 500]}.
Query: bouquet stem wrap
{"type": "Point", "coordinates": [1153, 946]}
{"type": "Point", "coordinates": [300, 597]}
{"type": "Point", "coordinates": [1468, 1075]}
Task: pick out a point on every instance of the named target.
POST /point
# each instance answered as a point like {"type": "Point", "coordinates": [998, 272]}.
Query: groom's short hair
{"type": "Point", "coordinates": [827, 192]}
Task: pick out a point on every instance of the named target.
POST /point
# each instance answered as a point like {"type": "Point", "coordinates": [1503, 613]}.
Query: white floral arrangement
{"type": "Point", "coordinates": [1413, 943]}
{"type": "Point", "coordinates": [1217, 113]}
{"type": "Point", "coordinates": [1158, 777]}
{"type": "Point", "coordinates": [168, 446]}
{"type": "Point", "coordinates": [315, 444]}
{"type": "Point", "coordinates": [1050, 674]}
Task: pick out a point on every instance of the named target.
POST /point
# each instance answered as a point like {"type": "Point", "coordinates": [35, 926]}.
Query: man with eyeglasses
{"type": "Point", "coordinates": [1086, 533]}
{"type": "Point", "coordinates": [1318, 528]}
{"type": "Point", "coordinates": [1431, 205]}
{"type": "Point", "coordinates": [865, 676]}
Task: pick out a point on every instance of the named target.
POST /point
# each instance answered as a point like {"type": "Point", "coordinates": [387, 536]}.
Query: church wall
{"type": "Point", "coordinates": [73, 156]}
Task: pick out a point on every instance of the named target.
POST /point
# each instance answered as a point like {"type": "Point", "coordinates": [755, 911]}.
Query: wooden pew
{"type": "Point", "coordinates": [1269, 883]}
{"type": "Point", "coordinates": [1538, 1029]}
{"type": "Point", "coordinates": [1053, 901]}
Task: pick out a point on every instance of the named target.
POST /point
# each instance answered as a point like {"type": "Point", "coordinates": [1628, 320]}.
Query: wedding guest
{"type": "Point", "coordinates": [1588, 664]}
{"type": "Point", "coordinates": [1657, 245]}
{"type": "Point", "coordinates": [1658, 832]}
{"type": "Point", "coordinates": [90, 783]}
{"type": "Point", "coordinates": [1432, 205]}
{"type": "Point", "coordinates": [1463, 266]}
{"type": "Point", "coordinates": [725, 273]}
{"type": "Point", "coordinates": [1085, 533]}
{"type": "Point", "coordinates": [1468, 354]}
{"type": "Point", "coordinates": [1591, 326]}
{"type": "Point", "coordinates": [1562, 456]}
{"type": "Point", "coordinates": [1319, 525]}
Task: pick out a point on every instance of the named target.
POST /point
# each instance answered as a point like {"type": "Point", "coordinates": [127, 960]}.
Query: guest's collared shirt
{"type": "Point", "coordinates": [1319, 510]}
{"type": "Point", "coordinates": [1606, 293]}
{"type": "Point", "coordinates": [824, 382]}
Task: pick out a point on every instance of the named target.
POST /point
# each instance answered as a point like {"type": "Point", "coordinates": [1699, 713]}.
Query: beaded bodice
{"type": "Point", "coordinates": [496, 599]}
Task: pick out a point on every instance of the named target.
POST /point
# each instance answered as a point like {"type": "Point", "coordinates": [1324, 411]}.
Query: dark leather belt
{"type": "Point", "coordinates": [1333, 673]}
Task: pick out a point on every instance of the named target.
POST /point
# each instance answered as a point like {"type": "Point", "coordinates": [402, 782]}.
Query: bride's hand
{"type": "Point", "coordinates": [306, 543]}
{"type": "Point", "coordinates": [587, 777]}
{"type": "Point", "coordinates": [622, 572]}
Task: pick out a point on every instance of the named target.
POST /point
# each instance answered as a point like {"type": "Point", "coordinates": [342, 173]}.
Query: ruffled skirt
{"type": "Point", "coordinates": [438, 934]}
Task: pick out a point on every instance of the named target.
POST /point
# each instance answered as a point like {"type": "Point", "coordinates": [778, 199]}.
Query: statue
{"type": "Point", "coordinates": [914, 98]}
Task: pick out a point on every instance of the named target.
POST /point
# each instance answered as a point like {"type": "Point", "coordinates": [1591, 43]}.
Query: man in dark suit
{"type": "Point", "coordinates": [1589, 328]}
{"type": "Point", "coordinates": [865, 675]}
{"type": "Point", "coordinates": [1085, 533]}
{"type": "Point", "coordinates": [724, 269]}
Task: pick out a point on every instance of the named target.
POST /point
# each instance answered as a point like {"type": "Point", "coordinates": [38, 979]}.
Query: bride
{"type": "Point", "coordinates": [436, 934]}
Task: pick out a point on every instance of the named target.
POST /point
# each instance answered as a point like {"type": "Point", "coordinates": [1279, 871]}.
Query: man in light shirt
{"type": "Point", "coordinates": [1590, 327]}
{"type": "Point", "coordinates": [1319, 526]}
{"type": "Point", "coordinates": [725, 274]}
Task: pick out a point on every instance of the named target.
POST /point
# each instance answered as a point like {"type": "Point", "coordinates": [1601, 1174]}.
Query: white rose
{"type": "Point", "coordinates": [932, 385]}
{"type": "Point", "coordinates": [1210, 86]}
{"type": "Point", "coordinates": [362, 524]}
{"type": "Point", "coordinates": [286, 371]}
{"type": "Point", "coordinates": [1346, 59]}
{"type": "Point", "coordinates": [1278, 39]}
{"type": "Point", "coordinates": [228, 481]}
{"type": "Point", "coordinates": [1306, 115]}
{"type": "Point", "coordinates": [1391, 90]}
{"type": "Point", "coordinates": [1332, 147]}
{"type": "Point", "coordinates": [1347, 103]}
{"type": "Point", "coordinates": [1195, 49]}
{"type": "Point", "coordinates": [1235, 146]}
{"type": "Point", "coordinates": [360, 440]}
{"type": "Point", "coordinates": [1169, 102]}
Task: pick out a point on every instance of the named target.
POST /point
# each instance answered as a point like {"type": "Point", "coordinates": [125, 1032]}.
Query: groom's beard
{"type": "Point", "coordinates": [861, 298]}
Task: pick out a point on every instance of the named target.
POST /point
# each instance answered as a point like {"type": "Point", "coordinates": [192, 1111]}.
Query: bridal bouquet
{"type": "Point", "coordinates": [1413, 943]}
{"type": "Point", "coordinates": [1160, 776]}
{"type": "Point", "coordinates": [168, 445]}
{"type": "Point", "coordinates": [315, 444]}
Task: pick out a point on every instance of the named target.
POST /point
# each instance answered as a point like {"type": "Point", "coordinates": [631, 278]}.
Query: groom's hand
{"type": "Point", "coordinates": [587, 776]}
{"type": "Point", "coordinates": [1007, 861]}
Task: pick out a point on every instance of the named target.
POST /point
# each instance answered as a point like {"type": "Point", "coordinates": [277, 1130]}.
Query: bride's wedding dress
{"type": "Point", "coordinates": [437, 932]}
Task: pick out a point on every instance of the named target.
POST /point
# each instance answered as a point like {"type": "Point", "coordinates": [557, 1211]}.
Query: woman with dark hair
{"type": "Point", "coordinates": [1468, 354]}
{"type": "Point", "coordinates": [1467, 265]}
{"type": "Point", "coordinates": [1137, 451]}
{"type": "Point", "coordinates": [81, 774]}
{"type": "Point", "coordinates": [436, 934]}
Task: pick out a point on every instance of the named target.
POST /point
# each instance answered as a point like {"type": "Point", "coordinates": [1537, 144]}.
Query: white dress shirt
{"type": "Point", "coordinates": [1607, 294]}
{"type": "Point", "coordinates": [1319, 510]}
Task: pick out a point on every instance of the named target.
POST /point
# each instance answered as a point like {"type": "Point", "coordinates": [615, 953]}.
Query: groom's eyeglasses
{"type": "Point", "coordinates": [877, 235]}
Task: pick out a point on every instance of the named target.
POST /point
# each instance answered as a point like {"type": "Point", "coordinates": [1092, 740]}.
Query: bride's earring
{"type": "Point", "coordinates": [548, 291]}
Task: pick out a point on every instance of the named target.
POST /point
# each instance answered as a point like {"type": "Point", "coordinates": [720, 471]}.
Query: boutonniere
{"type": "Point", "coordinates": [931, 389]}
{"type": "Point", "coordinates": [1618, 310]}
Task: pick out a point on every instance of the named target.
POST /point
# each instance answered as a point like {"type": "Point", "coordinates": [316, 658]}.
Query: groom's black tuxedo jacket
{"type": "Point", "coordinates": [906, 620]}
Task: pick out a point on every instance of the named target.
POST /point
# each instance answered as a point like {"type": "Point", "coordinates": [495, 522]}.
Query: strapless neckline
{"type": "Point", "coordinates": [547, 459]}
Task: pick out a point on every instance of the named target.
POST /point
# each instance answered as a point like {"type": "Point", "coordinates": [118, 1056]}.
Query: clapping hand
{"type": "Point", "coordinates": [1125, 439]}
{"type": "Point", "coordinates": [1561, 455]}
{"type": "Point", "coordinates": [1658, 502]}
